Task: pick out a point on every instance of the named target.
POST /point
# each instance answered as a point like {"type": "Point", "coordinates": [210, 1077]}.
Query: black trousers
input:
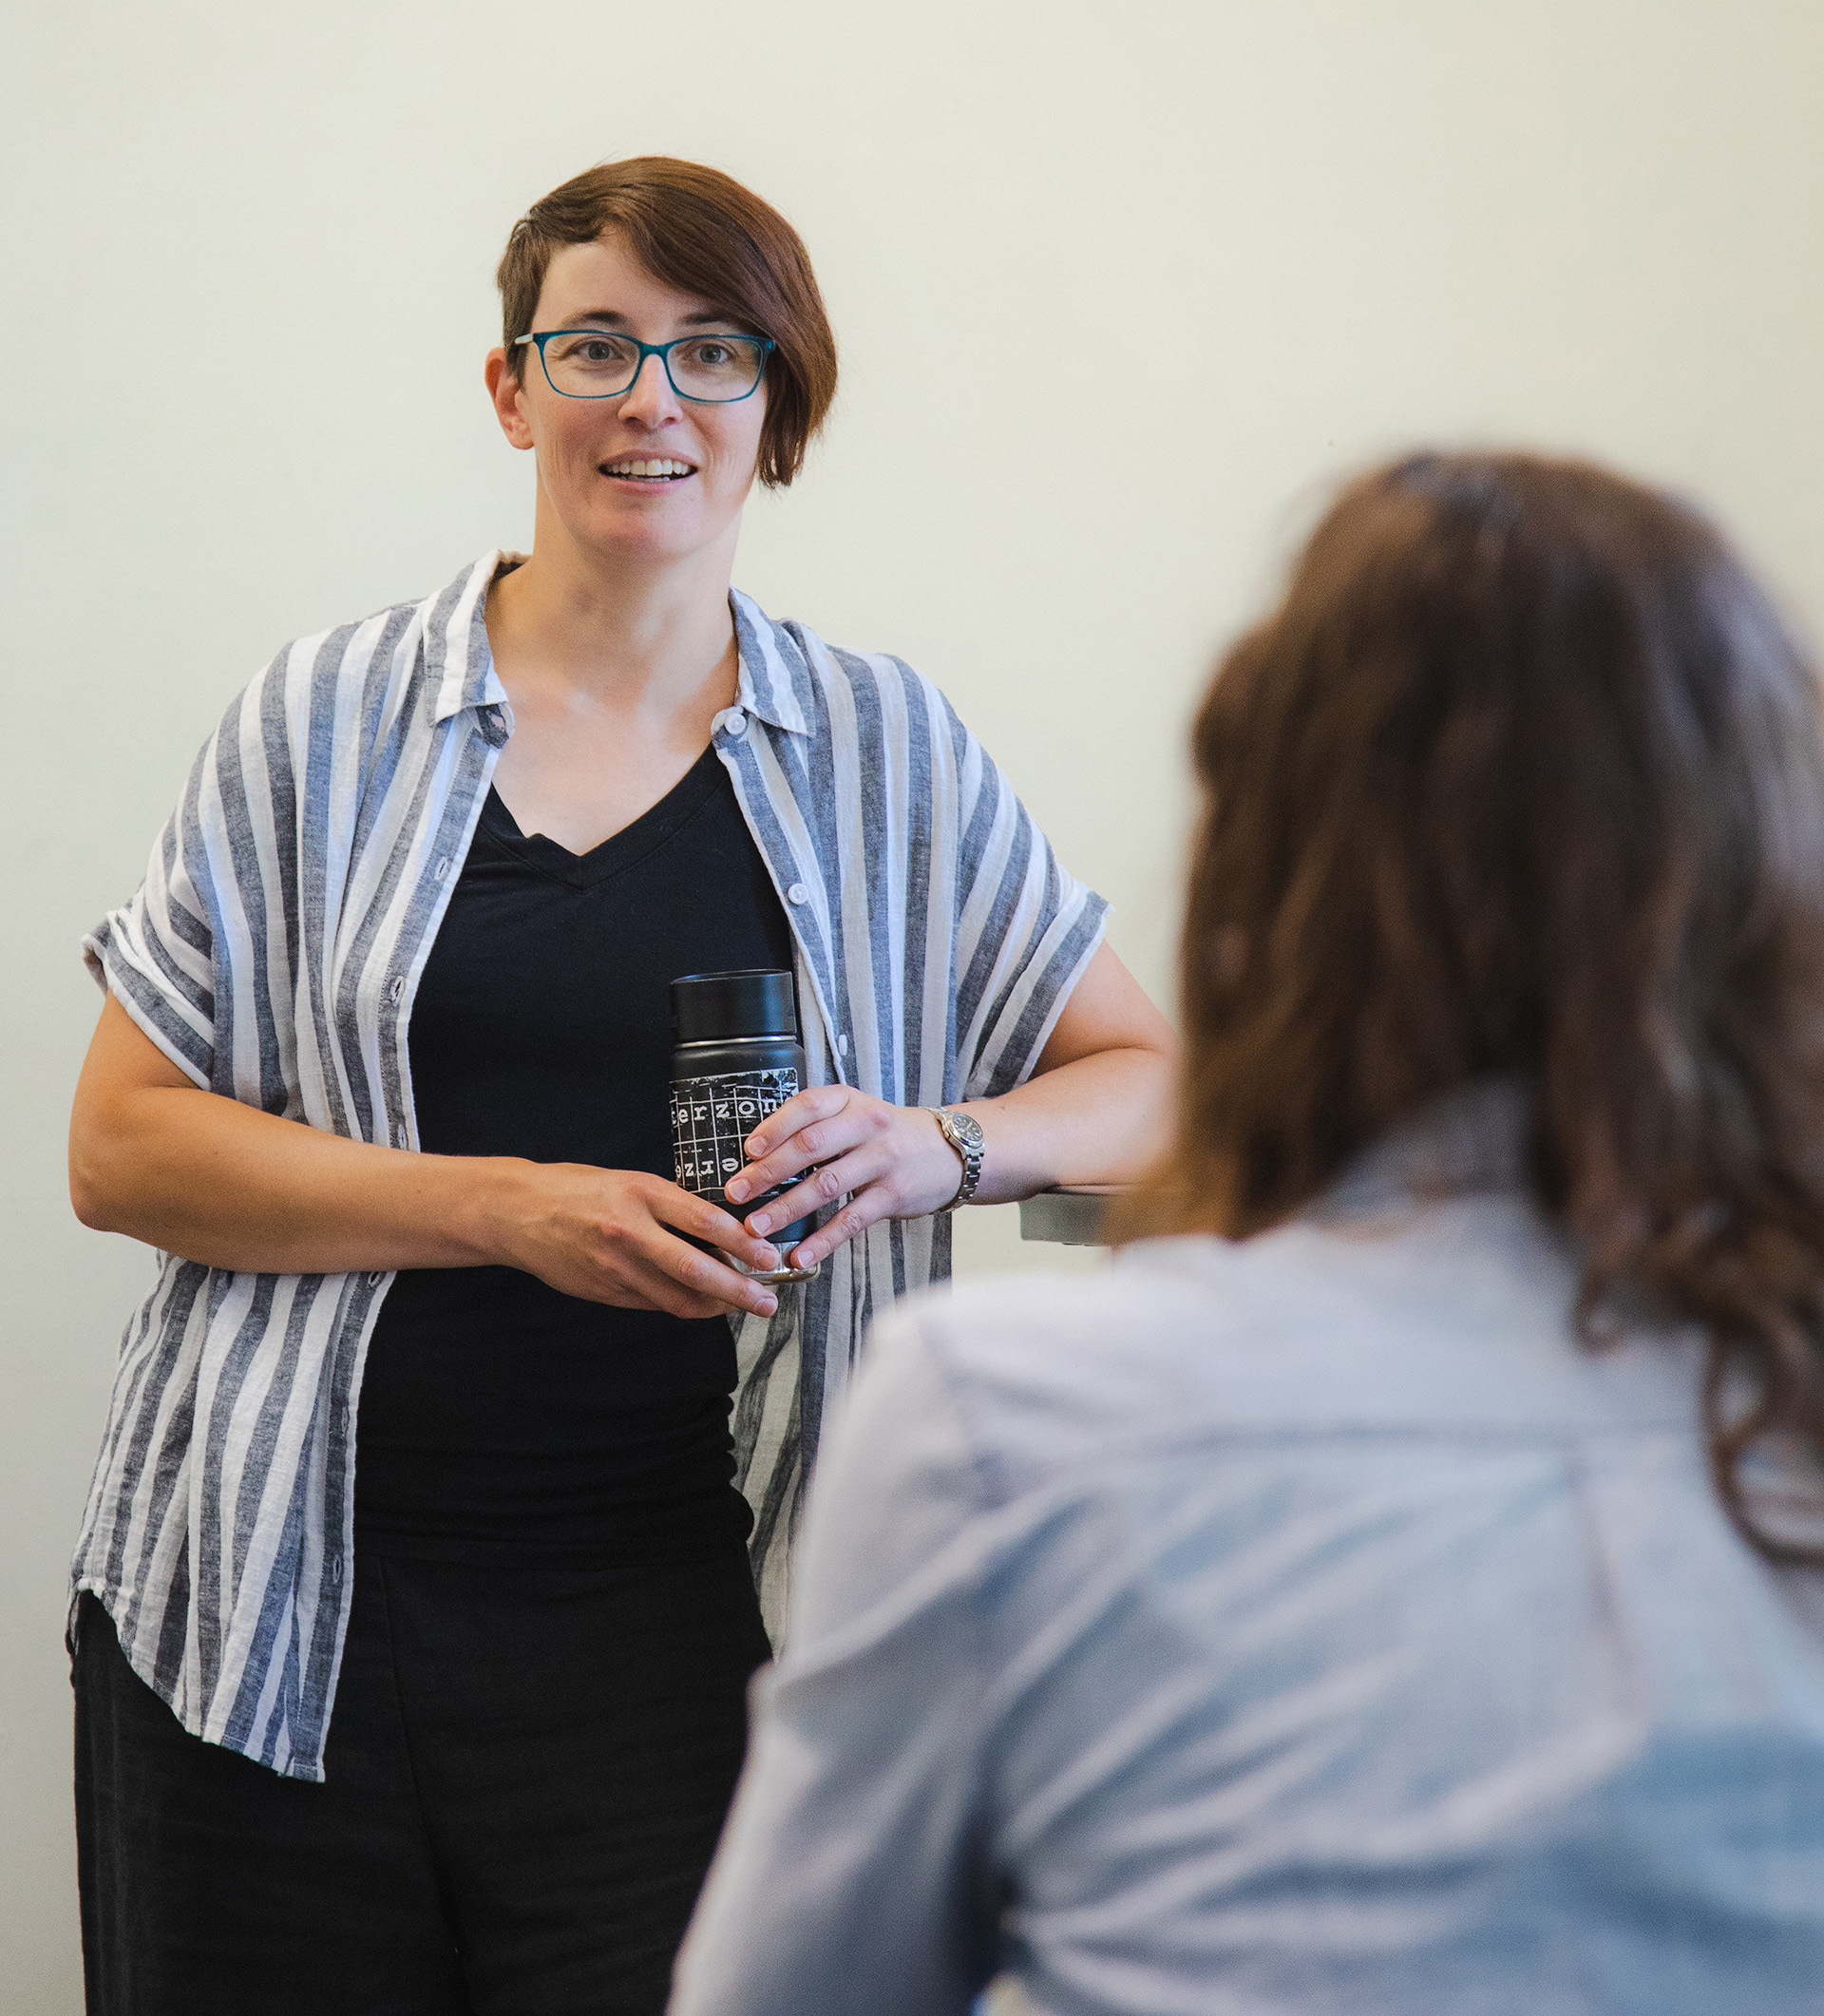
{"type": "Point", "coordinates": [526, 1772]}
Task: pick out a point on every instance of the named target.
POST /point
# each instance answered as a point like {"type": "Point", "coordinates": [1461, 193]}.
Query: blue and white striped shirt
{"type": "Point", "coordinates": [273, 953]}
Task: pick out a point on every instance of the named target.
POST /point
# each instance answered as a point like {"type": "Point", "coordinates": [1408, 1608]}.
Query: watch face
{"type": "Point", "coordinates": [969, 1128]}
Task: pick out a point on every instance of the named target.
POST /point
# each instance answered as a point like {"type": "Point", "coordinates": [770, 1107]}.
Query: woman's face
{"type": "Point", "coordinates": [588, 448]}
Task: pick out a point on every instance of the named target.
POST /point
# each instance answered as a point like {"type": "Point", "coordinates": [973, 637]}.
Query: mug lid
{"type": "Point", "coordinates": [717, 1007]}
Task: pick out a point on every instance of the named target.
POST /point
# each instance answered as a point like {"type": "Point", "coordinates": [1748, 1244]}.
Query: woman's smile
{"type": "Point", "coordinates": [648, 469]}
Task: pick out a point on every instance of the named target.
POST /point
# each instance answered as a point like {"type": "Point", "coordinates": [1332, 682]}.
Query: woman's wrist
{"type": "Point", "coordinates": [965, 1139]}
{"type": "Point", "coordinates": [485, 1205]}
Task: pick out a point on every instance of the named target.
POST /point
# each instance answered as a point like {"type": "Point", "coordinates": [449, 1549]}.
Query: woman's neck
{"type": "Point", "coordinates": [629, 637]}
{"type": "Point", "coordinates": [616, 675]}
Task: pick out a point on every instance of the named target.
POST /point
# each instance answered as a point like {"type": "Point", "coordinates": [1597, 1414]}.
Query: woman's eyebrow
{"type": "Point", "coordinates": [696, 320]}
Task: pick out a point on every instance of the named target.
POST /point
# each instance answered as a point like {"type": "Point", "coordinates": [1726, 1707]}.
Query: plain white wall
{"type": "Point", "coordinates": [1119, 289]}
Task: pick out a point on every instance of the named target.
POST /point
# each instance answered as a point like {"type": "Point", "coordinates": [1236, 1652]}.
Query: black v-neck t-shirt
{"type": "Point", "coordinates": [496, 1414]}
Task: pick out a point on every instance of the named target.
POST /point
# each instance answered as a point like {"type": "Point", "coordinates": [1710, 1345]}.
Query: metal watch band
{"type": "Point", "coordinates": [968, 1145]}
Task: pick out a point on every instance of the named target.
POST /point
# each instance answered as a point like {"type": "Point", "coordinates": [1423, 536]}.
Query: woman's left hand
{"type": "Point", "coordinates": [893, 1160]}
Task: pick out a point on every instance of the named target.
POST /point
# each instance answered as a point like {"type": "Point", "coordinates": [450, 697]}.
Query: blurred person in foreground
{"type": "Point", "coordinates": [1394, 1585]}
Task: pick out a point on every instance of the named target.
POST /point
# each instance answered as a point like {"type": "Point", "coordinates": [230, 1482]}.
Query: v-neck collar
{"type": "Point", "coordinates": [620, 852]}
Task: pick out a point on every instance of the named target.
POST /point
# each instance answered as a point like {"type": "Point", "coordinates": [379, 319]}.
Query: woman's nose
{"type": "Point", "coordinates": [650, 398]}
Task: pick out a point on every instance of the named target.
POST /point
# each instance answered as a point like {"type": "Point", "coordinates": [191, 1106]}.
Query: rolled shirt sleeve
{"type": "Point", "coordinates": [157, 953]}
{"type": "Point", "coordinates": [1026, 930]}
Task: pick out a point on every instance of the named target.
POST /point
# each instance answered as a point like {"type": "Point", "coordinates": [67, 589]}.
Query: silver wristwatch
{"type": "Point", "coordinates": [965, 1135]}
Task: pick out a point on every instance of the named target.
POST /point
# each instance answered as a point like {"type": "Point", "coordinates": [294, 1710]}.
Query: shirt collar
{"type": "Point", "coordinates": [456, 649]}
{"type": "Point", "coordinates": [775, 675]}
{"type": "Point", "coordinates": [773, 682]}
{"type": "Point", "coordinates": [1473, 1139]}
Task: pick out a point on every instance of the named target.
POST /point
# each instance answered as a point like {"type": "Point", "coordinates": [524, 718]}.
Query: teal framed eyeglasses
{"type": "Point", "coordinates": [602, 364]}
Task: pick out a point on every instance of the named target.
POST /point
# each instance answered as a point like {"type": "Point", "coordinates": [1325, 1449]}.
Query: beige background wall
{"type": "Point", "coordinates": [1119, 289]}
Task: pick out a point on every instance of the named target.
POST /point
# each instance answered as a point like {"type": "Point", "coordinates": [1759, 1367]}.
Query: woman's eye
{"type": "Point", "coordinates": [593, 350]}
{"type": "Point", "coordinates": [713, 356]}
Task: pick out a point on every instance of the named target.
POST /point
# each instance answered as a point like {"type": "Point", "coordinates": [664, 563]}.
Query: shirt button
{"type": "Point", "coordinates": [841, 1046]}
{"type": "Point", "coordinates": [402, 1138]}
{"type": "Point", "coordinates": [734, 722]}
{"type": "Point", "coordinates": [397, 988]}
{"type": "Point", "coordinates": [797, 893]}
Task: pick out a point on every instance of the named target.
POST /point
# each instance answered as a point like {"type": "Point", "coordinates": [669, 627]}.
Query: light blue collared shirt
{"type": "Point", "coordinates": [1303, 1625]}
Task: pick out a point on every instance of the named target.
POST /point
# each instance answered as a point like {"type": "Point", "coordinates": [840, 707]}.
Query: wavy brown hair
{"type": "Point", "coordinates": [1525, 776]}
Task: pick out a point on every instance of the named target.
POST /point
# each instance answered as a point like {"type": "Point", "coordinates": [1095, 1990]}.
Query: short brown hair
{"type": "Point", "coordinates": [697, 230]}
{"type": "Point", "coordinates": [1525, 776]}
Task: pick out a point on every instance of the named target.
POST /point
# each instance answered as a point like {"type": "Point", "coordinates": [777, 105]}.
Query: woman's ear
{"type": "Point", "coordinates": [508, 396]}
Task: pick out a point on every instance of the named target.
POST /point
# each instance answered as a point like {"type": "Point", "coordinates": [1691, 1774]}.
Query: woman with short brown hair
{"type": "Point", "coordinates": [383, 1072]}
{"type": "Point", "coordinates": [1397, 1587]}
{"type": "Point", "coordinates": [702, 233]}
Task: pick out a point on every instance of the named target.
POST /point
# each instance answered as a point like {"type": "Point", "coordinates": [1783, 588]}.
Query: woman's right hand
{"type": "Point", "coordinates": [610, 1235]}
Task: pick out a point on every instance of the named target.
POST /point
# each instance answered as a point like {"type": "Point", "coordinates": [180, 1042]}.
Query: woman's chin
{"type": "Point", "coordinates": [653, 536]}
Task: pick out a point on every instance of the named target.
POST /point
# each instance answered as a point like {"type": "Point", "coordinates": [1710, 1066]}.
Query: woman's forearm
{"type": "Point", "coordinates": [212, 1180]}
{"type": "Point", "coordinates": [1100, 1119]}
{"type": "Point", "coordinates": [215, 1181]}
{"type": "Point", "coordinates": [1096, 1111]}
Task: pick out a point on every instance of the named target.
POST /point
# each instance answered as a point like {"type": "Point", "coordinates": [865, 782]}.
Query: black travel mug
{"type": "Point", "coordinates": [736, 1059]}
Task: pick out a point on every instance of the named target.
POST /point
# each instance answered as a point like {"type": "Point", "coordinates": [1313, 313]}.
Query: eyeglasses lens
{"type": "Point", "coordinates": [716, 367]}
{"type": "Point", "coordinates": [591, 364]}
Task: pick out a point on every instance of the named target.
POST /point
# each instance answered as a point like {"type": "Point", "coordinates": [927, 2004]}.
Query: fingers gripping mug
{"type": "Point", "coordinates": [736, 1059]}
